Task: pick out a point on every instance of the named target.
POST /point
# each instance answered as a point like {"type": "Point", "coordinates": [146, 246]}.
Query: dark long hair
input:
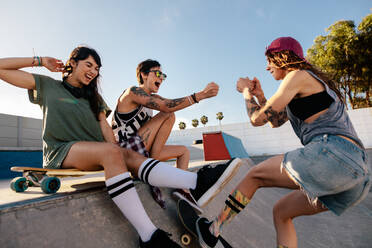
{"type": "Point", "coordinates": [145, 67]}
{"type": "Point", "coordinates": [90, 90]}
{"type": "Point", "coordinates": [288, 60]}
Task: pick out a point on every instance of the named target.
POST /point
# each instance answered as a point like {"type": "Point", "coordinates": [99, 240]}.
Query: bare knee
{"type": "Point", "coordinates": [112, 155]}
{"type": "Point", "coordinates": [279, 212]}
{"type": "Point", "coordinates": [166, 115]}
{"type": "Point", "coordinates": [172, 117]}
{"type": "Point", "coordinates": [185, 151]}
{"type": "Point", "coordinates": [256, 175]}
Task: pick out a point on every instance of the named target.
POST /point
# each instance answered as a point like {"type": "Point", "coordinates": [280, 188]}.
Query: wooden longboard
{"type": "Point", "coordinates": [55, 172]}
{"type": "Point", "coordinates": [47, 179]}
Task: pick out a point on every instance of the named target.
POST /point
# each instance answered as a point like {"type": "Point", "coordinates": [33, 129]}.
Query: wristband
{"type": "Point", "coordinates": [194, 98]}
{"type": "Point", "coordinates": [39, 60]}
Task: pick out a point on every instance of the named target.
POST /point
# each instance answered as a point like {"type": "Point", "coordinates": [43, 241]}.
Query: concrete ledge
{"type": "Point", "coordinates": [88, 218]}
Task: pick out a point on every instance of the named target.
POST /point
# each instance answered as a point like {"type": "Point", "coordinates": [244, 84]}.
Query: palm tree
{"type": "Point", "coordinates": [204, 119]}
{"type": "Point", "coordinates": [195, 122]}
{"type": "Point", "coordinates": [219, 117]}
{"type": "Point", "coordinates": [182, 125]}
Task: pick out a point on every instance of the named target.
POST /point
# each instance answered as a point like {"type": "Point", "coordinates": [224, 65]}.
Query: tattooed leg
{"type": "Point", "coordinates": [234, 204]}
{"type": "Point", "coordinates": [145, 136]}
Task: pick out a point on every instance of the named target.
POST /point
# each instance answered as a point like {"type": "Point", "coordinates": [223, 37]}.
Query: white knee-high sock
{"type": "Point", "coordinates": [122, 192]}
{"type": "Point", "coordinates": [161, 174]}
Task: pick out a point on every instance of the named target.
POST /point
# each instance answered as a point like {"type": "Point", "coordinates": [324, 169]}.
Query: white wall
{"type": "Point", "coordinates": [265, 140]}
{"type": "Point", "coordinates": [20, 132]}
{"type": "Point", "coordinates": [16, 131]}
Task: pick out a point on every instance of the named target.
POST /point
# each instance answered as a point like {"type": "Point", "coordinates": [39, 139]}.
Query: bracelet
{"type": "Point", "coordinates": [194, 98]}
{"type": "Point", "coordinates": [34, 59]}
{"type": "Point", "coordinates": [188, 98]}
{"type": "Point", "coordinates": [40, 61]}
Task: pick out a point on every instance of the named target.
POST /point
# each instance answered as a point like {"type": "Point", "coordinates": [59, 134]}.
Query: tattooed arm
{"type": "Point", "coordinates": [153, 101]}
{"type": "Point", "coordinates": [275, 118]}
{"type": "Point", "coordinates": [272, 110]}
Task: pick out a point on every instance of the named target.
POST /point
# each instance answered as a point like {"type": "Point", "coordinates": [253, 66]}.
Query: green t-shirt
{"type": "Point", "coordinates": [66, 119]}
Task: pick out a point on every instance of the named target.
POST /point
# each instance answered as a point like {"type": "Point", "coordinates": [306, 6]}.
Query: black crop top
{"type": "Point", "coordinates": [307, 106]}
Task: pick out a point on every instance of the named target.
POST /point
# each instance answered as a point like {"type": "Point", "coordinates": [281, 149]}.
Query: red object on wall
{"type": "Point", "coordinates": [214, 147]}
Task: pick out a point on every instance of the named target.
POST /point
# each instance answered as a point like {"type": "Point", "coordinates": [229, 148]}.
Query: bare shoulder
{"type": "Point", "coordinates": [126, 101]}
{"type": "Point", "coordinates": [298, 79]}
{"type": "Point", "coordinates": [296, 76]}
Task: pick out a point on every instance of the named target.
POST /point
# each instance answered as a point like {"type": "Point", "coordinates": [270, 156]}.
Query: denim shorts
{"type": "Point", "coordinates": [330, 169]}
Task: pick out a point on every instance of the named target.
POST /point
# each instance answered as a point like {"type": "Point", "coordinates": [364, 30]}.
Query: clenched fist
{"type": "Point", "coordinates": [210, 90]}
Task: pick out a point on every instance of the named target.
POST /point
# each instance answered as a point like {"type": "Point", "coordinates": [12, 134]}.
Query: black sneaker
{"type": "Point", "coordinates": [206, 239]}
{"type": "Point", "coordinates": [211, 179]}
{"type": "Point", "coordinates": [159, 239]}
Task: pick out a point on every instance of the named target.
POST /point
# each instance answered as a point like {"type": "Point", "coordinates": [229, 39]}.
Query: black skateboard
{"type": "Point", "coordinates": [188, 218]}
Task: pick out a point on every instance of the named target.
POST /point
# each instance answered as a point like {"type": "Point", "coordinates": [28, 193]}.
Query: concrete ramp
{"type": "Point", "coordinates": [220, 145]}
{"type": "Point", "coordinates": [88, 218]}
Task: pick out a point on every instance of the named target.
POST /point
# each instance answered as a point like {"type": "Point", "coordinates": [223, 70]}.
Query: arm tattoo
{"type": "Point", "coordinates": [262, 102]}
{"type": "Point", "coordinates": [251, 106]}
{"type": "Point", "coordinates": [277, 118]}
{"type": "Point", "coordinates": [159, 97]}
{"type": "Point", "coordinates": [139, 91]}
{"type": "Point", "coordinates": [152, 104]}
{"type": "Point", "coordinates": [175, 102]}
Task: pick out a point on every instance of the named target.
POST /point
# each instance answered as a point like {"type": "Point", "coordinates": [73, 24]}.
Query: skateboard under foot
{"type": "Point", "coordinates": [188, 217]}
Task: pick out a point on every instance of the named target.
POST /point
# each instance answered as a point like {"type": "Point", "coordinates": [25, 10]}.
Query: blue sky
{"type": "Point", "coordinates": [195, 41]}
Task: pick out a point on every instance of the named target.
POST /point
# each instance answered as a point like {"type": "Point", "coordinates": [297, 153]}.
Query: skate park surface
{"type": "Point", "coordinates": [81, 214]}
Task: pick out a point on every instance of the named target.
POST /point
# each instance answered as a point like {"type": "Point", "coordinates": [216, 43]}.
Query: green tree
{"type": "Point", "coordinates": [204, 119]}
{"type": "Point", "coordinates": [364, 69]}
{"type": "Point", "coordinates": [219, 117]}
{"type": "Point", "coordinates": [345, 55]}
{"type": "Point", "coordinates": [195, 122]}
{"type": "Point", "coordinates": [182, 125]}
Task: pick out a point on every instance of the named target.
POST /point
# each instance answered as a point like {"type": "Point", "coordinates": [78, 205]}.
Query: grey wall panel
{"type": "Point", "coordinates": [8, 142]}
{"type": "Point", "coordinates": [8, 132]}
{"type": "Point", "coordinates": [28, 133]}
{"type": "Point", "coordinates": [32, 123]}
{"type": "Point", "coordinates": [17, 131]}
{"type": "Point", "coordinates": [8, 120]}
{"type": "Point", "coordinates": [32, 143]}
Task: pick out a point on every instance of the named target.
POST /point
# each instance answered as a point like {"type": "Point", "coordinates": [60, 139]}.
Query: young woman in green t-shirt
{"type": "Point", "coordinates": [77, 135]}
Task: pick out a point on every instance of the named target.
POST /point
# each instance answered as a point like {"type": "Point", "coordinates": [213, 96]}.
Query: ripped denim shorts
{"type": "Point", "coordinates": [330, 169]}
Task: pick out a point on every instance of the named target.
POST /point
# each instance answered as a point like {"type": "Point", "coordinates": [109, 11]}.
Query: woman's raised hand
{"type": "Point", "coordinates": [52, 64]}
{"type": "Point", "coordinates": [243, 83]}
{"type": "Point", "coordinates": [256, 89]}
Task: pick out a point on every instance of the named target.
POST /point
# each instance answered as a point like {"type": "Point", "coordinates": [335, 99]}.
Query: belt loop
{"type": "Point", "coordinates": [325, 137]}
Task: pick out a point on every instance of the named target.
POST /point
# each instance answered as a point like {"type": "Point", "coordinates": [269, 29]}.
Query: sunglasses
{"type": "Point", "coordinates": [159, 74]}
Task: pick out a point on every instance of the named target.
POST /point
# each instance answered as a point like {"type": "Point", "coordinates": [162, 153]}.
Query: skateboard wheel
{"type": "Point", "coordinates": [50, 185]}
{"type": "Point", "coordinates": [185, 239]}
{"type": "Point", "coordinates": [19, 184]}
